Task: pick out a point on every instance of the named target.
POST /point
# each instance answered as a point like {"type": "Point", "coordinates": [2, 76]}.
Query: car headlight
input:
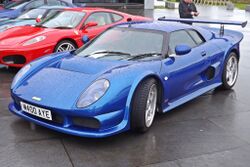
{"type": "Point", "coordinates": [21, 72]}
{"type": "Point", "coordinates": [93, 93]}
{"type": "Point", "coordinates": [34, 40]}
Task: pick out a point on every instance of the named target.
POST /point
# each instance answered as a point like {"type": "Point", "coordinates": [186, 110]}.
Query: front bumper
{"type": "Point", "coordinates": [15, 57]}
{"type": "Point", "coordinates": [110, 123]}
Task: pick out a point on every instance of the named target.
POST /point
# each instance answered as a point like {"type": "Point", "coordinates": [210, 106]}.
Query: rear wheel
{"type": "Point", "coordinates": [230, 71]}
{"type": "Point", "coordinates": [65, 45]}
{"type": "Point", "coordinates": [144, 105]}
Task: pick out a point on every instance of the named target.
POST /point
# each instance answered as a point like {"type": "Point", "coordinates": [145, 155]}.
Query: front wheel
{"type": "Point", "coordinates": [64, 46]}
{"type": "Point", "coordinates": [144, 105]}
{"type": "Point", "coordinates": [230, 71]}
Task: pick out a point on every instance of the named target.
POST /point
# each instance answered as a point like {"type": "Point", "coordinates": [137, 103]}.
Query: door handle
{"type": "Point", "coordinates": [203, 53]}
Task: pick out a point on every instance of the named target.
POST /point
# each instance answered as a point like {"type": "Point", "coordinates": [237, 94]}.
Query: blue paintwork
{"type": "Point", "coordinates": [182, 49]}
{"type": "Point", "coordinates": [241, 23]}
{"type": "Point", "coordinates": [60, 79]}
{"type": "Point", "coordinates": [14, 13]}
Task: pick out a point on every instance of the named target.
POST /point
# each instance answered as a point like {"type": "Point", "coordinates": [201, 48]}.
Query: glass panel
{"type": "Point", "coordinates": [117, 17]}
{"type": "Point", "coordinates": [32, 14]}
{"type": "Point", "coordinates": [197, 37]}
{"type": "Point", "coordinates": [63, 19]}
{"type": "Point", "coordinates": [180, 37]}
{"type": "Point", "coordinates": [125, 44]}
{"type": "Point", "coordinates": [100, 18]}
{"type": "Point", "coordinates": [15, 5]}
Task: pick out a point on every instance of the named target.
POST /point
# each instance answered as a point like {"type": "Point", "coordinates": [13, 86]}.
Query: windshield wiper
{"type": "Point", "coordinates": [141, 56]}
{"type": "Point", "coordinates": [62, 27]}
{"type": "Point", "coordinates": [26, 18]}
{"type": "Point", "coordinates": [40, 26]}
{"type": "Point", "coordinates": [110, 52]}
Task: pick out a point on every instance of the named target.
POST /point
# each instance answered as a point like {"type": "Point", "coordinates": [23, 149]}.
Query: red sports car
{"type": "Point", "coordinates": [63, 30]}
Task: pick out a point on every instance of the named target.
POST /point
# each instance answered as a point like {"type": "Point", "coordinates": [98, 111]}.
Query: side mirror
{"type": "Point", "coordinates": [129, 19]}
{"type": "Point", "coordinates": [38, 19]}
{"type": "Point", "coordinates": [85, 39]}
{"type": "Point", "coordinates": [182, 49]}
{"type": "Point", "coordinates": [90, 24]}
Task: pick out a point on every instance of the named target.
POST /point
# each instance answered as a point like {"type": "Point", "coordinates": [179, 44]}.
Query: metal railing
{"type": "Point", "coordinates": [211, 2]}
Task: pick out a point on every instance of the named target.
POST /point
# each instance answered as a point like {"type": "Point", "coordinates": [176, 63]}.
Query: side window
{"type": "Point", "coordinates": [180, 37]}
{"type": "Point", "coordinates": [196, 37]}
{"type": "Point", "coordinates": [116, 17]}
{"type": "Point", "coordinates": [101, 18]}
{"type": "Point", "coordinates": [54, 3]}
{"type": "Point", "coordinates": [64, 4]}
{"type": "Point", "coordinates": [51, 13]}
{"type": "Point", "coordinates": [34, 4]}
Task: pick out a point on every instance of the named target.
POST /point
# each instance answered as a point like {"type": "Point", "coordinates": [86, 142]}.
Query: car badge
{"type": "Point", "coordinates": [36, 98]}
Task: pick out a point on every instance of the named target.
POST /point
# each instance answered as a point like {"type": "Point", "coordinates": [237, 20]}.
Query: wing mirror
{"type": "Point", "coordinates": [90, 24]}
{"type": "Point", "coordinates": [38, 19]}
{"type": "Point", "coordinates": [182, 49]}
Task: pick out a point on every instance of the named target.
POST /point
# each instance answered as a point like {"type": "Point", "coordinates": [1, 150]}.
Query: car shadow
{"type": "Point", "coordinates": [176, 115]}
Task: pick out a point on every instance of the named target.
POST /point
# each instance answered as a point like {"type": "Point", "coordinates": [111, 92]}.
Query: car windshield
{"type": "Point", "coordinates": [32, 14]}
{"type": "Point", "coordinates": [62, 20]}
{"type": "Point", "coordinates": [15, 5]}
{"type": "Point", "coordinates": [125, 44]}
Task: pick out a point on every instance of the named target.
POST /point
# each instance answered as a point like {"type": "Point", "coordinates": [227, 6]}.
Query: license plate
{"type": "Point", "coordinates": [37, 111]}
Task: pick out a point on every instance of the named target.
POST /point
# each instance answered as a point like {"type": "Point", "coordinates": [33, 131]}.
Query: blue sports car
{"type": "Point", "coordinates": [119, 80]}
{"type": "Point", "coordinates": [29, 17]}
{"type": "Point", "coordinates": [14, 9]}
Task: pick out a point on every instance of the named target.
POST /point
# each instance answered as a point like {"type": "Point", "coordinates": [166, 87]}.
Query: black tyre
{"type": "Point", "coordinates": [144, 105]}
{"type": "Point", "coordinates": [65, 45]}
{"type": "Point", "coordinates": [230, 71]}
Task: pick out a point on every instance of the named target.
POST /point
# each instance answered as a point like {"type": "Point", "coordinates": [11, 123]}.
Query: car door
{"type": "Point", "coordinates": [184, 74]}
{"type": "Point", "coordinates": [213, 55]}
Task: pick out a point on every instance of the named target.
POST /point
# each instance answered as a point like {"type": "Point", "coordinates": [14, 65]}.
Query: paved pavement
{"type": "Point", "coordinates": [212, 130]}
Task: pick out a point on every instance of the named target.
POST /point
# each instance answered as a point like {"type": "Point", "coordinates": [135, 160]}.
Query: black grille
{"type": "Point", "coordinates": [14, 59]}
{"type": "Point", "coordinates": [86, 122]}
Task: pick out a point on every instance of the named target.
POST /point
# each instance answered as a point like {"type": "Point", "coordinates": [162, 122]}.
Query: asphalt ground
{"type": "Point", "coordinates": [212, 130]}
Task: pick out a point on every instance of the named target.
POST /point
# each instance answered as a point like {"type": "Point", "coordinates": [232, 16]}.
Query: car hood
{"type": "Point", "coordinates": [18, 35]}
{"type": "Point", "coordinates": [60, 84]}
{"type": "Point", "coordinates": [4, 25]}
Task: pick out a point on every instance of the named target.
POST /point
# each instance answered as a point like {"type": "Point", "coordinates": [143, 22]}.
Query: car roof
{"type": "Point", "coordinates": [158, 25]}
{"type": "Point", "coordinates": [52, 7]}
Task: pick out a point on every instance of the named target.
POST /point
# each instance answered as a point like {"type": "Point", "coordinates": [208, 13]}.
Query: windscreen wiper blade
{"type": "Point", "coordinates": [62, 27]}
{"type": "Point", "coordinates": [41, 26]}
{"type": "Point", "coordinates": [111, 52]}
{"type": "Point", "coordinates": [141, 56]}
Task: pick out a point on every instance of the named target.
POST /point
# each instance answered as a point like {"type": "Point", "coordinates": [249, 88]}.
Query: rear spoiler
{"type": "Point", "coordinates": [222, 23]}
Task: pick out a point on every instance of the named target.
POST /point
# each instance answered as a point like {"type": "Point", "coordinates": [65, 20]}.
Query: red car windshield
{"type": "Point", "coordinates": [62, 19]}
